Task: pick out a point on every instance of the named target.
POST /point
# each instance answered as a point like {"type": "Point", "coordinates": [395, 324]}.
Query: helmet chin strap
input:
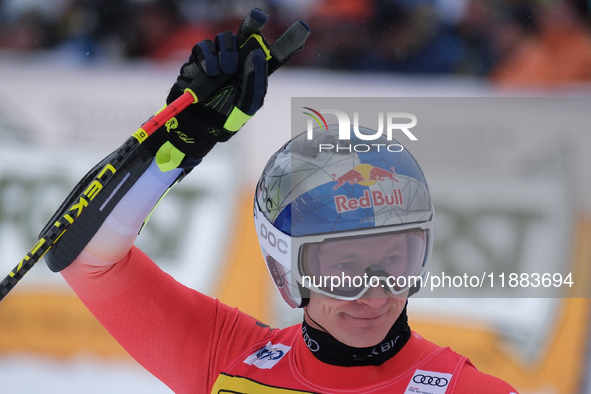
{"type": "Point", "coordinates": [307, 314]}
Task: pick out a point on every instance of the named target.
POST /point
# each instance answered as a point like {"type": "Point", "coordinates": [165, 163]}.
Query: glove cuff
{"type": "Point", "coordinates": [236, 120]}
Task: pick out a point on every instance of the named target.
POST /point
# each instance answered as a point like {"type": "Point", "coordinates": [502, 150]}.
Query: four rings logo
{"type": "Point", "coordinates": [311, 343]}
{"type": "Point", "coordinates": [430, 380]}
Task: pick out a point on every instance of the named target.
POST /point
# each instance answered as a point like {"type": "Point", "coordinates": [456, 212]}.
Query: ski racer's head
{"type": "Point", "coordinates": [344, 224]}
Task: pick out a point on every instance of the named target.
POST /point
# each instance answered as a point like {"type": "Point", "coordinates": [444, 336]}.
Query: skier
{"type": "Point", "coordinates": [354, 337]}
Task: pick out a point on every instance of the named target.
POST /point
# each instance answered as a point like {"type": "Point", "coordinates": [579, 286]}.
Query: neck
{"type": "Point", "coordinates": [330, 351]}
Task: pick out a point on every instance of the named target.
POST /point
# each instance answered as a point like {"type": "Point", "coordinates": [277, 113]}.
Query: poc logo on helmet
{"type": "Point", "coordinates": [272, 239]}
{"type": "Point", "coordinates": [402, 121]}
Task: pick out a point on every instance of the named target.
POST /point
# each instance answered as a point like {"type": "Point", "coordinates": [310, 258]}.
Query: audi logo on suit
{"type": "Point", "coordinates": [430, 380]}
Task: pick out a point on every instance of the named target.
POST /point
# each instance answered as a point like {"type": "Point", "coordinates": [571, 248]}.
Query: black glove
{"type": "Point", "coordinates": [228, 79]}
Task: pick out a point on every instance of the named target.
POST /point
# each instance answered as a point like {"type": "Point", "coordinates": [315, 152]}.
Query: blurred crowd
{"type": "Point", "coordinates": [513, 42]}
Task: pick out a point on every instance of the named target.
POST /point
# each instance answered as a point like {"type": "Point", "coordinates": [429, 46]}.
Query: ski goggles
{"type": "Point", "coordinates": [346, 265]}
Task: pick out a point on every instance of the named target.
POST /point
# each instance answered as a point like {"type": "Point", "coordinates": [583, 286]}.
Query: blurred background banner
{"type": "Point", "coordinates": [511, 189]}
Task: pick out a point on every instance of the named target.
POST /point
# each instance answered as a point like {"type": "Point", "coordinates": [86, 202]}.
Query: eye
{"type": "Point", "coordinates": [392, 260]}
{"type": "Point", "coordinates": [344, 265]}
{"type": "Point", "coordinates": [347, 266]}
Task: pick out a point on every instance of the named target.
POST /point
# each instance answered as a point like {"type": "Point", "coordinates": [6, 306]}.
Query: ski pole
{"type": "Point", "coordinates": [197, 90]}
{"type": "Point", "coordinates": [53, 233]}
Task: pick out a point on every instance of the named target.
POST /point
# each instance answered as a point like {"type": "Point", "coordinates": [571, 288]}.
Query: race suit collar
{"type": "Point", "coordinates": [330, 351]}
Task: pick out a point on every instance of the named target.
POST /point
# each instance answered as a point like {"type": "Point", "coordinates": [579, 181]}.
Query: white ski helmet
{"type": "Point", "coordinates": [317, 197]}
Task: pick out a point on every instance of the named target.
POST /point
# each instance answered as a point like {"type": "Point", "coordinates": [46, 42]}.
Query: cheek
{"type": "Point", "coordinates": [323, 308]}
{"type": "Point", "coordinates": [401, 303]}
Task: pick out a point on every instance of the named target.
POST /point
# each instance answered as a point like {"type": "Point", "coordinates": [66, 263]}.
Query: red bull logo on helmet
{"type": "Point", "coordinates": [375, 198]}
{"type": "Point", "coordinates": [366, 175]}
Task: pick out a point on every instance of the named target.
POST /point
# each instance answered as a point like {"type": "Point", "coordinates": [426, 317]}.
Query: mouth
{"type": "Point", "coordinates": [369, 318]}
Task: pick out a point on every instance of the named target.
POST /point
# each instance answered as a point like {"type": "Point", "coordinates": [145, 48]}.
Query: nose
{"type": "Point", "coordinates": [374, 297]}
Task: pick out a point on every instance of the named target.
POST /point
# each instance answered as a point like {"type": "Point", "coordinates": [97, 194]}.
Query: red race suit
{"type": "Point", "coordinates": [195, 344]}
